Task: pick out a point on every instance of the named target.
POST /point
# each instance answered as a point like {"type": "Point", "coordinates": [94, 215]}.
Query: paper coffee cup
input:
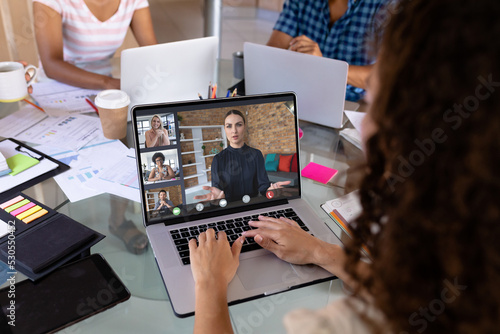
{"type": "Point", "coordinates": [113, 109]}
{"type": "Point", "coordinates": [13, 85]}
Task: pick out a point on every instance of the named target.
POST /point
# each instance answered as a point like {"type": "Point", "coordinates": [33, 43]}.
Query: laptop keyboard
{"type": "Point", "coordinates": [232, 227]}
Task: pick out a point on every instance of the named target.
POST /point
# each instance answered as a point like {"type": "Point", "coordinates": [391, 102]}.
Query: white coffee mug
{"type": "Point", "coordinates": [13, 85]}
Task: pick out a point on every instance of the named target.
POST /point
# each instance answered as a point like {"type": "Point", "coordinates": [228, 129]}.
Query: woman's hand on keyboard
{"type": "Point", "coordinates": [214, 261]}
{"type": "Point", "coordinates": [285, 238]}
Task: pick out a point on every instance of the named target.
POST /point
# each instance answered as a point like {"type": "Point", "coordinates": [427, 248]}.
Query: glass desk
{"type": "Point", "coordinates": [148, 310]}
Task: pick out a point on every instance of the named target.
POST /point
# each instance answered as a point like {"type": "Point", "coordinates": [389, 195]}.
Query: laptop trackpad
{"type": "Point", "coordinates": [266, 270]}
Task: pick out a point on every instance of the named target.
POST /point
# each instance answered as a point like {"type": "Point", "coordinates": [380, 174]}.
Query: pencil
{"type": "Point", "coordinates": [209, 90]}
{"type": "Point", "coordinates": [234, 92]}
{"type": "Point", "coordinates": [92, 105]}
{"type": "Point", "coordinates": [34, 105]}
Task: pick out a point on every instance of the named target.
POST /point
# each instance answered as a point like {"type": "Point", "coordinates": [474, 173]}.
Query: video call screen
{"type": "Point", "coordinates": [193, 160]}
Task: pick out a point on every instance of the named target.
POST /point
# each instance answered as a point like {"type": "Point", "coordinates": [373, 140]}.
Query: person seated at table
{"type": "Point", "coordinates": [239, 169]}
{"type": "Point", "coordinates": [430, 218]}
{"type": "Point", "coordinates": [335, 29]}
{"type": "Point", "coordinates": [163, 205]}
{"type": "Point", "coordinates": [77, 38]}
{"type": "Point", "coordinates": [157, 135]}
{"type": "Point", "coordinates": [161, 171]}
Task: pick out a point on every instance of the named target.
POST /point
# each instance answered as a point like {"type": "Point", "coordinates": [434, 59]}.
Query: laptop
{"type": "Point", "coordinates": [319, 82]}
{"type": "Point", "coordinates": [198, 126]}
{"type": "Point", "coordinates": [168, 72]}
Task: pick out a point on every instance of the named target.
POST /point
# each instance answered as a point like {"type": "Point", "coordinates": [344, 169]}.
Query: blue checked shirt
{"type": "Point", "coordinates": [344, 40]}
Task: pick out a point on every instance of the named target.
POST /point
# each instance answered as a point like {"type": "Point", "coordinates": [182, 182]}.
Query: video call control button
{"type": "Point", "coordinates": [176, 211]}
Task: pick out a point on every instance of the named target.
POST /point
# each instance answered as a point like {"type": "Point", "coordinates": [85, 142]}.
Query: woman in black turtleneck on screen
{"type": "Point", "coordinates": [239, 169]}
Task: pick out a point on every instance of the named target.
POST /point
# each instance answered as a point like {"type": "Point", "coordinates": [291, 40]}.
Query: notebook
{"type": "Point", "coordinates": [318, 82]}
{"type": "Point", "coordinates": [168, 72]}
{"type": "Point", "coordinates": [201, 145]}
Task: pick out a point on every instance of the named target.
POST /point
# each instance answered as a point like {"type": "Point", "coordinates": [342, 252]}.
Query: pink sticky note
{"type": "Point", "coordinates": [318, 172]}
{"type": "Point", "coordinates": [23, 208]}
{"type": "Point", "coordinates": [12, 201]}
{"type": "Point", "coordinates": [301, 133]}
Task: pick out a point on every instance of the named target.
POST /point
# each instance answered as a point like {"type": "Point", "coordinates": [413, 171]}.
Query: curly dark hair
{"type": "Point", "coordinates": [431, 193]}
{"type": "Point", "coordinates": [158, 155]}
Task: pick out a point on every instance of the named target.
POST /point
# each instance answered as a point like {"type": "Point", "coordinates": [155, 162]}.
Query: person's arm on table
{"type": "Point", "coordinates": [279, 39]}
{"type": "Point", "coordinates": [304, 44]}
{"type": "Point", "coordinates": [357, 75]}
{"type": "Point", "coordinates": [289, 242]}
{"type": "Point", "coordinates": [166, 140]}
{"type": "Point", "coordinates": [214, 264]}
{"type": "Point", "coordinates": [170, 173]}
{"type": "Point", "coordinates": [151, 175]}
{"type": "Point", "coordinates": [301, 43]}
{"type": "Point", "coordinates": [49, 38]}
{"type": "Point", "coordinates": [151, 138]}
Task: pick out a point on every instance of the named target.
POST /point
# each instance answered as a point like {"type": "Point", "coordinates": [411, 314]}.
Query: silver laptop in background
{"type": "Point", "coordinates": [173, 71]}
{"type": "Point", "coordinates": [198, 127]}
{"type": "Point", "coordinates": [318, 82]}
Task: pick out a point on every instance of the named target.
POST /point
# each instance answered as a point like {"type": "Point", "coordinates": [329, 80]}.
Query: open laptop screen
{"type": "Point", "coordinates": [201, 163]}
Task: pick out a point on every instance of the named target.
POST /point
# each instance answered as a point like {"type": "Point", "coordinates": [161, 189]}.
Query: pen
{"type": "Point", "coordinates": [228, 93]}
{"type": "Point", "coordinates": [209, 90]}
{"type": "Point", "coordinates": [92, 105]}
{"type": "Point", "coordinates": [34, 105]}
{"type": "Point", "coordinates": [199, 95]}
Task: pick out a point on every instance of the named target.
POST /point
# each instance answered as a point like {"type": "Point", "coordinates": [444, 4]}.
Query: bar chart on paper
{"type": "Point", "coordinates": [84, 174]}
{"type": "Point", "coordinates": [128, 176]}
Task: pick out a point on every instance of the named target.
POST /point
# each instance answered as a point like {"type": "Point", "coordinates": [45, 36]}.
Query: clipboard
{"type": "Point", "coordinates": [28, 150]}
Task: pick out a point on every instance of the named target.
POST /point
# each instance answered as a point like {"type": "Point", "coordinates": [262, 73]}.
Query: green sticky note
{"type": "Point", "coordinates": [20, 162]}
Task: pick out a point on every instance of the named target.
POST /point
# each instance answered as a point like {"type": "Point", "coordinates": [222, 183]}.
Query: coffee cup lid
{"type": "Point", "coordinates": [112, 99]}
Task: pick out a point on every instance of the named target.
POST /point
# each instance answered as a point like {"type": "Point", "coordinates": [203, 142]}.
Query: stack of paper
{"type": "Point", "coordinates": [4, 167]}
{"type": "Point", "coordinates": [352, 136]}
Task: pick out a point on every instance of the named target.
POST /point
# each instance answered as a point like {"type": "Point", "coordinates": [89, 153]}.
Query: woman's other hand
{"type": "Point", "coordinates": [278, 185]}
{"type": "Point", "coordinates": [215, 193]}
{"type": "Point", "coordinates": [289, 242]}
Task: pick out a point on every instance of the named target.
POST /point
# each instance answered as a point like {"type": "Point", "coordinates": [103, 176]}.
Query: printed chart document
{"type": "Point", "coordinates": [58, 99]}
{"type": "Point", "coordinates": [87, 165]}
{"type": "Point", "coordinates": [120, 179]}
{"type": "Point", "coordinates": [33, 126]}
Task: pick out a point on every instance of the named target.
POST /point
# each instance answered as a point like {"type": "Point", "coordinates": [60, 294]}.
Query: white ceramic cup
{"type": "Point", "coordinates": [13, 85]}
